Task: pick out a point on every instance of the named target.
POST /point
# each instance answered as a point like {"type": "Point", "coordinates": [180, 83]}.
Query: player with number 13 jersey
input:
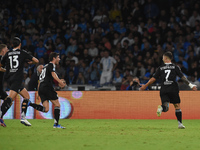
{"type": "Point", "coordinates": [14, 61]}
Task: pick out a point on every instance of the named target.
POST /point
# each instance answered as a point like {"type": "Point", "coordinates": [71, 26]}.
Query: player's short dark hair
{"type": "Point", "coordinates": [53, 55]}
{"type": "Point", "coordinates": [169, 55]}
{"type": "Point", "coordinates": [15, 42]}
{"type": "Point", "coordinates": [2, 46]}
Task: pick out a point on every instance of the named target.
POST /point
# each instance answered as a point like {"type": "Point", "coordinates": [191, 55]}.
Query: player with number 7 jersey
{"type": "Point", "coordinates": [169, 92]}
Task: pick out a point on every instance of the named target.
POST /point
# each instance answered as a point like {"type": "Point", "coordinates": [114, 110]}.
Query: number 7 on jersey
{"type": "Point", "coordinates": [168, 73]}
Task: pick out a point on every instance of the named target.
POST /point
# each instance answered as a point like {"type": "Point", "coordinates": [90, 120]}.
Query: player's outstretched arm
{"type": "Point", "coordinates": [152, 80]}
{"type": "Point", "coordinates": [192, 86]}
{"type": "Point", "coordinates": [34, 61]}
{"type": "Point", "coordinates": [54, 75]}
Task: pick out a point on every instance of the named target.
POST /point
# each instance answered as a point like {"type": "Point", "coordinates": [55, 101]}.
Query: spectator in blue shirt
{"type": "Point", "coordinates": [151, 10]}
{"type": "Point", "coordinates": [40, 51]}
{"type": "Point", "coordinates": [60, 50]}
{"type": "Point", "coordinates": [72, 48]}
{"type": "Point", "coordinates": [122, 29]}
{"type": "Point", "coordinates": [116, 25]}
{"type": "Point", "coordinates": [83, 24]}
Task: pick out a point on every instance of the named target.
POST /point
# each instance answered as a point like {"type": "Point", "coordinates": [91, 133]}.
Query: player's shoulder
{"type": "Point", "coordinates": [51, 65]}
{"type": "Point", "coordinates": [24, 51]}
{"type": "Point", "coordinates": [173, 64]}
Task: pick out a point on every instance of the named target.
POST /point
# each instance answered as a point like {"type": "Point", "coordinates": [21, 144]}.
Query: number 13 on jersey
{"type": "Point", "coordinates": [14, 63]}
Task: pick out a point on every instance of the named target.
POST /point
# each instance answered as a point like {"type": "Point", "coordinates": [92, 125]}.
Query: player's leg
{"type": "Point", "coordinates": [4, 96]}
{"type": "Point", "coordinates": [178, 114]}
{"type": "Point", "coordinates": [45, 104]}
{"type": "Point", "coordinates": [165, 104]}
{"type": "Point", "coordinates": [6, 105]}
{"type": "Point", "coordinates": [175, 99]}
{"type": "Point", "coordinates": [26, 102]}
{"type": "Point", "coordinates": [24, 93]}
{"type": "Point", "coordinates": [56, 104]}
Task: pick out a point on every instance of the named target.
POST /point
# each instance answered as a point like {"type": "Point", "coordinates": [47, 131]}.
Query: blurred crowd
{"type": "Point", "coordinates": [103, 42]}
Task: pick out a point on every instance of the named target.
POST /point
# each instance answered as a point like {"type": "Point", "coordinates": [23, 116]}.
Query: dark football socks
{"type": "Point", "coordinates": [5, 106]}
{"type": "Point", "coordinates": [24, 107]}
{"type": "Point", "coordinates": [38, 107]}
{"type": "Point", "coordinates": [179, 115]}
{"type": "Point", "coordinates": [56, 114]}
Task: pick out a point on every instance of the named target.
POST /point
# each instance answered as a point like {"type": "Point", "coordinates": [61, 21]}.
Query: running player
{"type": "Point", "coordinates": [3, 94]}
{"type": "Point", "coordinates": [169, 92]}
{"type": "Point", "coordinates": [3, 51]}
{"type": "Point", "coordinates": [46, 90]}
{"type": "Point", "coordinates": [14, 61]}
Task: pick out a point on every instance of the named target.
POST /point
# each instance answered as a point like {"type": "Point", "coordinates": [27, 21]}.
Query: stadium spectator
{"type": "Point", "coordinates": [129, 38]}
{"type": "Point", "coordinates": [93, 51]}
{"type": "Point", "coordinates": [134, 84]}
{"type": "Point", "coordinates": [60, 71]}
{"type": "Point", "coordinates": [94, 73]}
{"type": "Point", "coordinates": [107, 26]}
{"type": "Point", "coordinates": [70, 79]}
{"type": "Point", "coordinates": [72, 67]}
{"type": "Point", "coordinates": [71, 56]}
{"type": "Point", "coordinates": [84, 69]}
{"type": "Point", "coordinates": [80, 79]}
{"type": "Point", "coordinates": [151, 9]}
{"type": "Point", "coordinates": [86, 57]}
{"type": "Point", "coordinates": [126, 81]}
{"type": "Point", "coordinates": [139, 71]}
{"type": "Point", "coordinates": [108, 66]}
{"type": "Point", "coordinates": [115, 12]}
{"type": "Point", "coordinates": [40, 51]}
{"type": "Point", "coordinates": [99, 16]}
{"type": "Point", "coordinates": [117, 78]}
{"type": "Point", "coordinates": [195, 16]}
{"type": "Point", "coordinates": [72, 48]}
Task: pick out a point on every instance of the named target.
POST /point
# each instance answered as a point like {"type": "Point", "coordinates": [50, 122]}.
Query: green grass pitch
{"type": "Point", "coordinates": [97, 134]}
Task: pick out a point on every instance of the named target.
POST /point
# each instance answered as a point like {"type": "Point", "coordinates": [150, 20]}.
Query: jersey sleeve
{"type": "Point", "coordinates": [156, 75]}
{"type": "Point", "coordinates": [179, 72]}
{"type": "Point", "coordinates": [27, 55]}
{"type": "Point", "coordinates": [51, 68]}
{"type": "Point", "coordinates": [3, 59]}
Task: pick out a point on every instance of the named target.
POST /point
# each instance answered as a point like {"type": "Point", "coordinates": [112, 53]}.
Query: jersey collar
{"type": "Point", "coordinates": [168, 63]}
{"type": "Point", "coordinates": [15, 49]}
{"type": "Point", "coordinates": [53, 64]}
